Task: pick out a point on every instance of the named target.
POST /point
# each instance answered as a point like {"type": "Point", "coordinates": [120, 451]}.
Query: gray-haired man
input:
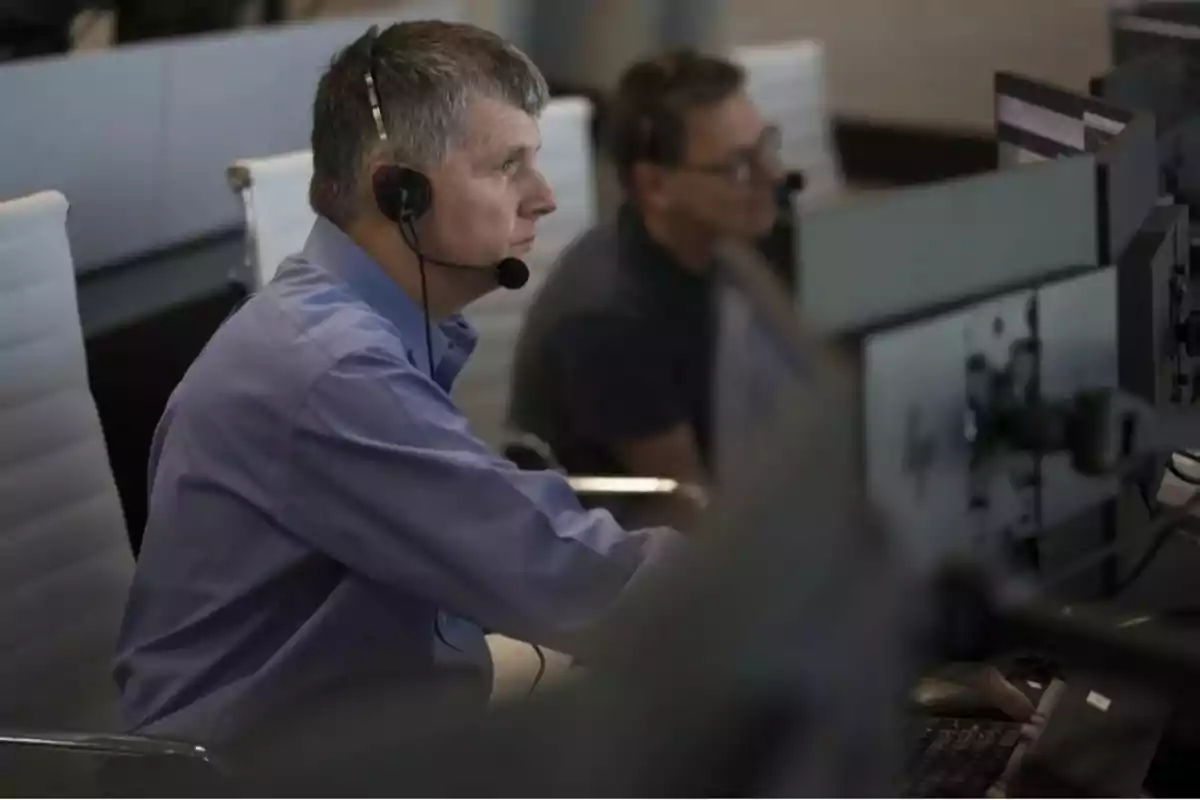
{"type": "Point", "coordinates": [320, 513]}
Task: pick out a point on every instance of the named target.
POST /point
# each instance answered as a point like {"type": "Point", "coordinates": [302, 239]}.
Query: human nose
{"type": "Point", "coordinates": [541, 199]}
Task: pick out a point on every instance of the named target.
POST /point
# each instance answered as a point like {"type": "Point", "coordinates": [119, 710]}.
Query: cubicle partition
{"type": "Point", "coordinates": [925, 249]}
{"type": "Point", "coordinates": [138, 137]}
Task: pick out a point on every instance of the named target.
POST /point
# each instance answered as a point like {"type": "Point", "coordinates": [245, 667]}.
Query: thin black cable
{"type": "Point", "coordinates": [541, 671]}
{"type": "Point", "coordinates": [1160, 529]}
{"type": "Point", "coordinates": [407, 230]}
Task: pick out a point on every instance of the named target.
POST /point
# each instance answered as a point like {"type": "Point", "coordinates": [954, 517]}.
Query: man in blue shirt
{"type": "Point", "coordinates": [320, 514]}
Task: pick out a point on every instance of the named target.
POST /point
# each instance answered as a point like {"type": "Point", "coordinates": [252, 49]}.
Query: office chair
{"type": "Point", "coordinates": [65, 562]}
{"type": "Point", "coordinates": [274, 194]}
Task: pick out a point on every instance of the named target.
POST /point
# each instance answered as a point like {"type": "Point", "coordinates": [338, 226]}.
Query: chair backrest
{"type": "Point", "coordinates": [65, 561]}
{"type": "Point", "coordinates": [568, 163]}
{"type": "Point", "coordinates": [787, 80]}
{"type": "Point", "coordinates": [274, 194]}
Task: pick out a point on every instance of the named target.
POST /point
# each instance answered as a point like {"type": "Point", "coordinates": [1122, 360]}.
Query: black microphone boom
{"type": "Point", "coordinates": [511, 273]}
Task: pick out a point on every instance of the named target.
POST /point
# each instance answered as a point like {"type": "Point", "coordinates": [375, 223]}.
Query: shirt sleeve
{"type": "Point", "coordinates": [617, 380]}
{"type": "Point", "coordinates": [385, 477]}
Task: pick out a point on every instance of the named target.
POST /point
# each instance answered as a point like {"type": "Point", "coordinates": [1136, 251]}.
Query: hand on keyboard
{"type": "Point", "coordinates": [965, 688]}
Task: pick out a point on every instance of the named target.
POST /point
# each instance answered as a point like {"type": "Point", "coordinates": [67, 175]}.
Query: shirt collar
{"type": "Point", "coordinates": [453, 339]}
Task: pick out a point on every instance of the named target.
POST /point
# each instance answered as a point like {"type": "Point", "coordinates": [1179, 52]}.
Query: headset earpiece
{"type": "Point", "coordinates": [402, 194]}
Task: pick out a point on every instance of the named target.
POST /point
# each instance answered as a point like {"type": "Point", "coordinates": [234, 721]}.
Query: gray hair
{"type": "Point", "coordinates": [426, 74]}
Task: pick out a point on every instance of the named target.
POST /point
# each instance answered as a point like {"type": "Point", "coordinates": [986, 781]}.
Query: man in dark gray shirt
{"type": "Point", "coordinates": [613, 367]}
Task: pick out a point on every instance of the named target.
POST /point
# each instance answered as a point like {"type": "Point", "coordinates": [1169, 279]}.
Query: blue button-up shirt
{"type": "Point", "coordinates": [321, 514]}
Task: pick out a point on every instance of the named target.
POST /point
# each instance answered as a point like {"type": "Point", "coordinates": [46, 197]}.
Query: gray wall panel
{"type": "Point", "coordinates": [139, 137]}
{"type": "Point", "coordinates": [91, 127]}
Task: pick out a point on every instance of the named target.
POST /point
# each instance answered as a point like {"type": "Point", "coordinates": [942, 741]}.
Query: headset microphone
{"type": "Point", "coordinates": [510, 273]}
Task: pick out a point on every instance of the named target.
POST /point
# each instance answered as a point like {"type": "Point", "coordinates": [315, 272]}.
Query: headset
{"type": "Point", "coordinates": [404, 195]}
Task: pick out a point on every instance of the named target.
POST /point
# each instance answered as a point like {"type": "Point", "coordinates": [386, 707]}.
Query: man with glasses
{"type": "Point", "coordinates": [613, 366]}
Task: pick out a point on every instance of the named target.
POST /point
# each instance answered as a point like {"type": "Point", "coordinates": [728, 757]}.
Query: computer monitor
{"type": "Point", "coordinates": [922, 283]}
{"type": "Point", "coordinates": [1037, 121]}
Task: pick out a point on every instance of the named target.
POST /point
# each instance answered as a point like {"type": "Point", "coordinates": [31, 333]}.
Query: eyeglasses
{"type": "Point", "coordinates": [762, 159]}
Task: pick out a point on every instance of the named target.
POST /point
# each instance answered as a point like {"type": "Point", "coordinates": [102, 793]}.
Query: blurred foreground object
{"type": "Point", "coordinates": [771, 660]}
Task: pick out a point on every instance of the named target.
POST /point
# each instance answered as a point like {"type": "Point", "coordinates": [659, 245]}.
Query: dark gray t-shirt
{"type": "Point", "coordinates": [617, 345]}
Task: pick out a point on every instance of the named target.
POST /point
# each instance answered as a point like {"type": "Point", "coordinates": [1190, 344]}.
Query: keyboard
{"type": "Point", "coordinates": [952, 757]}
